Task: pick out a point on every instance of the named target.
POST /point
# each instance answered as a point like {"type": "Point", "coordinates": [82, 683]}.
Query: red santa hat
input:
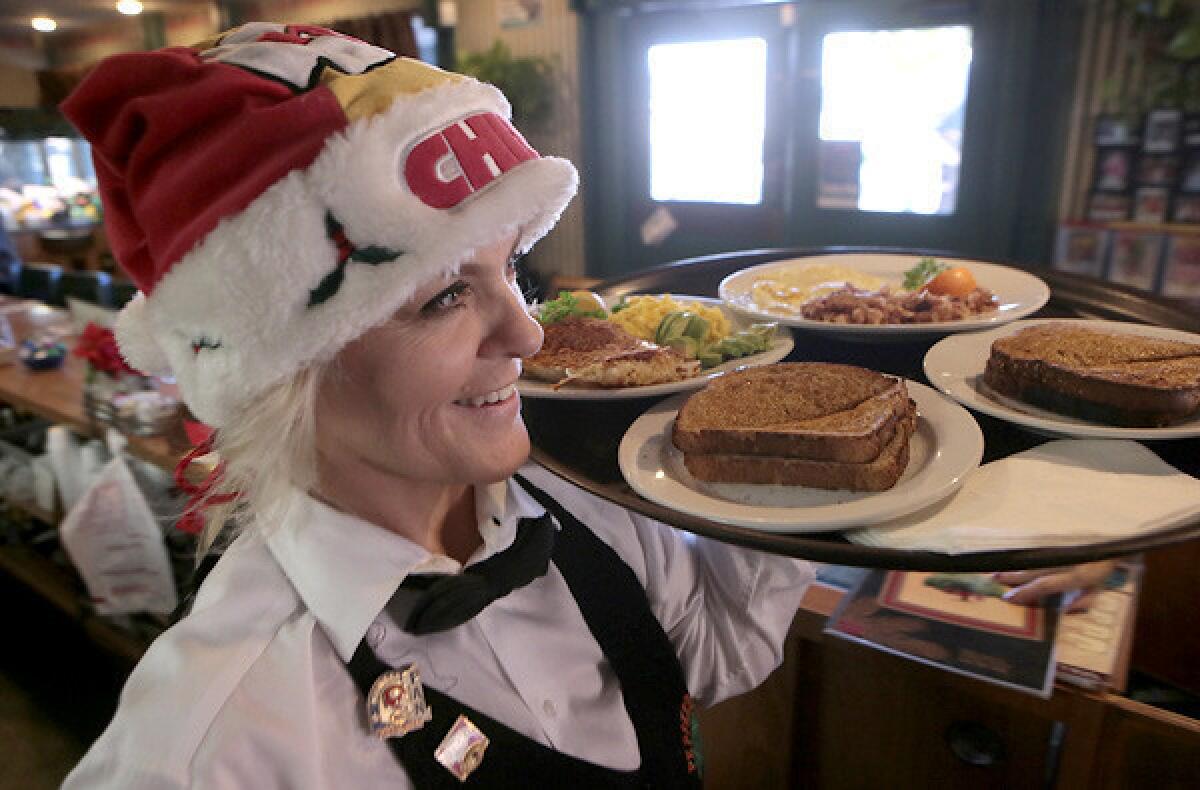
{"type": "Point", "coordinates": [279, 190]}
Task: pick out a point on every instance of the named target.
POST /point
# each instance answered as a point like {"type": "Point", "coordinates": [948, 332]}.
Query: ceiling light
{"type": "Point", "coordinates": [129, 7]}
{"type": "Point", "coordinates": [43, 23]}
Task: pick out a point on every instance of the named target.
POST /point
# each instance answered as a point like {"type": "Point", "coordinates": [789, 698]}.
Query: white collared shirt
{"type": "Point", "coordinates": [251, 689]}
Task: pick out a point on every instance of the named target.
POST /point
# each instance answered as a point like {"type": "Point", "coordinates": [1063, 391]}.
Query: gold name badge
{"type": "Point", "coordinates": [396, 704]}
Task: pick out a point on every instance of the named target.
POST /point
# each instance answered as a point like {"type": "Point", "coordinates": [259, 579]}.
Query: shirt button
{"type": "Point", "coordinates": [550, 709]}
{"type": "Point", "coordinates": [375, 634]}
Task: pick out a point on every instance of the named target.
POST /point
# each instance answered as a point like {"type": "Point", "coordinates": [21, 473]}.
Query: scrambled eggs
{"type": "Point", "coordinates": [784, 290]}
{"type": "Point", "coordinates": [643, 314]}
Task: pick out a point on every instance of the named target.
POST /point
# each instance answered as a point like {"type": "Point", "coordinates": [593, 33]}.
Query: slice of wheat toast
{"type": "Point", "coordinates": [1110, 377]}
{"type": "Point", "coordinates": [880, 474]}
{"type": "Point", "coordinates": [1072, 346]}
{"type": "Point", "coordinates": [805, 410]}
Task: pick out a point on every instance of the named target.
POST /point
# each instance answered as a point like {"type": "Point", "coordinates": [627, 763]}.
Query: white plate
{"type": "Point", "coordinates": [945, 447]}
{"type": "Point", "coordinates": [955, 366]}
{"type": "Point", "coordinates": [1018, 292]}
{"type": "Point", "coordinates": [781, 346]}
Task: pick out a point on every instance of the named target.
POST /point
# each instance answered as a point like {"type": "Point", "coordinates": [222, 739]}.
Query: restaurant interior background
{"type": "Point", "coordinates": [701, 127]}
{"type": "Point", "coordinates": [962, 126]}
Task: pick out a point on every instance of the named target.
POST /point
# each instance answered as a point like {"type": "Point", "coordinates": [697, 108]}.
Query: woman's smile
{"type": "Point", "coordinates": [490, 399]}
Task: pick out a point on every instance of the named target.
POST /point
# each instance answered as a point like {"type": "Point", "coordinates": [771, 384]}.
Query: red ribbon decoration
{"type": "Point", "coordinates": [192, 520]}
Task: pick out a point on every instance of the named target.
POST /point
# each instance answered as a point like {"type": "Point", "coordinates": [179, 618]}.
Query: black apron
{"type": "Point", "coordinates": [614, 607]}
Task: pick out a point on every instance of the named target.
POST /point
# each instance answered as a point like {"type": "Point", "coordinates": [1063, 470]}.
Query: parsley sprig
{"type": "Point", "coordinates": [922, 273]}
{"type": "Point", "coordinates": [564, 306]}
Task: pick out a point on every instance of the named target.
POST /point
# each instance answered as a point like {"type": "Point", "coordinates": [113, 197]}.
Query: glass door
{"type": "Point", "coordinates": [711, 112]}
{"type": "Point", "coordinates": [900, 121]}
{"type": "Point", "coordinates": [890, 114]}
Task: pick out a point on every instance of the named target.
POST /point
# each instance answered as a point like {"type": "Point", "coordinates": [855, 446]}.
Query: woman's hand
{"type": "Point", "coordinates": [1078, 583]}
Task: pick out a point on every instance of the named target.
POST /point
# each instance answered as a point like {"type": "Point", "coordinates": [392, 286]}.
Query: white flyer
{"type": "Point", "coordinates": [117, 546]}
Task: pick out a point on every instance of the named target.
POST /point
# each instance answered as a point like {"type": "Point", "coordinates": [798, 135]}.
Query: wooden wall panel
{"type": "Point", "coordinates": [1166, 641]}
{"type": "Point", "coordinates": [1104, 55]}
{"type": "Point", "coordinates": [555, 36]}
{"type": "Point", "coordinates": [18, 86]}
{"type": "Point", "coordinates": [316, 12]}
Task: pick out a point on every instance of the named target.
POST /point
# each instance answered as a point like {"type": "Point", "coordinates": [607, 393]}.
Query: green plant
{"type": "Point", "coordinates": [1162, 68]}
{"type": "Point", "coordinates": [528, 82]}
{"type": "Point", "coordinates": [1175, 23]}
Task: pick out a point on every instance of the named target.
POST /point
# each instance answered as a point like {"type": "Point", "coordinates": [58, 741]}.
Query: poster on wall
{"type": "Point", "coordinates": [1150, 205]}
{"type": "Point", "coordinates": [1105, 207]}
{"type": "Point", "coordinates": [1136, 258]}
{"type": "Point", "coordinates": [1114, 169]}
{"type": "Point", "coordinates": [1116, 130]}
{"type": "Point", "coordinates": [519, 13]}
{"type": "Point", "coordinates": [1158, 170]}
{"type": "Point", "coordinates": [1186, 209]}
{"type": "Point", "coordinates": [1164, 129]}
{"type": "Point", "coordinates": [1181, 271]}
{"type": "Point", "coordinates": [1081, 249]}
{"type": "Point", "coordinates": [1191, 129]}
{"type": "Point", "coordinates": [1190, 182]}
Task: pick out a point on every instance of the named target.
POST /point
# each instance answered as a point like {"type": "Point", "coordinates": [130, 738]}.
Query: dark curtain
{"type": "Point", "coordinates": [392, 31]}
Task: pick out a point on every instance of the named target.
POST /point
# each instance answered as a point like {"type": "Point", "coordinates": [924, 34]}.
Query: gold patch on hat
{"type": "Point", "coordinates": [461, 751]}
{"type": "Point", "coordinates": [368, 94]}
{"type": "Point", "coordinates": [396, 703]}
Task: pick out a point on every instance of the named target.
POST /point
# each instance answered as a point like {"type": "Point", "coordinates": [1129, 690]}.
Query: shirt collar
{"type": "Point", "coordinates": [346, 569]}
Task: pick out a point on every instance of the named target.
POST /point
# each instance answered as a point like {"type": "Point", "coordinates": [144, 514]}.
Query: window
{"type": "Point", "coordinates": [707, 120]}
{"type": "Point", "coordinates": [70, 164]}
{"type": "Point", "coordinates": [64, 163]}
{"type": "Point", "coordinates": [891, 124]}
{"type": "Point", "coordinates": [21, 163]}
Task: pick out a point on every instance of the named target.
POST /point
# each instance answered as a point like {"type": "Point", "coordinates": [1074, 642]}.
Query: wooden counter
{"type": "Point", "coordinates": [58, 394]}
{"type": "Point", "coordinates": [75, 247]}
{"type": "Point", "coordinates": [843, 715]}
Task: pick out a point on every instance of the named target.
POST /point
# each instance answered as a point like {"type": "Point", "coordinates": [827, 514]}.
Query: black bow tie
{"type": "Point", "coordinates": [447, 600]}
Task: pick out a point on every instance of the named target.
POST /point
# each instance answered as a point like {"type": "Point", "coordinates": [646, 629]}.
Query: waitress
{"type": "Point", "coordinates": [324, 235]}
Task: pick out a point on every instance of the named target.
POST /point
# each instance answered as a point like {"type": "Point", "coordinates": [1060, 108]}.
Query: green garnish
{"type": "Point", "coordinates": [922, 273]}
{"type": "Point", "coordinates": [681, 323]}
{"type": "Point", "coordinates": [685, 332]}
{"type": "Point", "coordinates": [753, 340]}
{"type": "Point", "coordinates": [564, 306]}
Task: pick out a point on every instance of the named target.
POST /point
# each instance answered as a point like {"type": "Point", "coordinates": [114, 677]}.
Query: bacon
{"type": "Point", "coordinates": [851, 305]}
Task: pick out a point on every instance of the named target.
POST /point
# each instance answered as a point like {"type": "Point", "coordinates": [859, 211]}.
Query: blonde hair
{"type": "Point", "coordinates": [267, 449]}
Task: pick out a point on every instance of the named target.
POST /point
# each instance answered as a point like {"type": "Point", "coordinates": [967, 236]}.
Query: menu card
{"type": "Point", "coordinates": [956, 621]}
{"type": "Point", "coordinates": [1094, 646]}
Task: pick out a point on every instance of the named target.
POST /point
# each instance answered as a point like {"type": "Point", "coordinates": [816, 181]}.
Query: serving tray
{"type": "Point", "coordinates": [588, 455]}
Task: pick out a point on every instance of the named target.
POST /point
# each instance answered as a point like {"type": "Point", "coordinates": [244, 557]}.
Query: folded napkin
{"type": "Point", "coordinates": [1063, 493]}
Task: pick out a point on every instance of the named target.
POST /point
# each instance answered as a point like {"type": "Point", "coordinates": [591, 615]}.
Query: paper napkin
{"type": "Point", "coordinates": [1062, 493]}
